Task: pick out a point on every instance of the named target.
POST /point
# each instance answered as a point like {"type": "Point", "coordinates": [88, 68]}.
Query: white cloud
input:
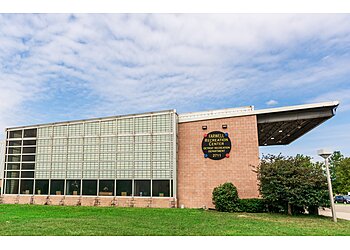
{"type": "Point", "coordinates": [271, 102]}
{"type": "Point", "coordinates": [132, 63]}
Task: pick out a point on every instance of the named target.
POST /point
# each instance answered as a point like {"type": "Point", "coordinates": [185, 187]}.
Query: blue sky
{"type": "Point", "coordinates": [62, 67]}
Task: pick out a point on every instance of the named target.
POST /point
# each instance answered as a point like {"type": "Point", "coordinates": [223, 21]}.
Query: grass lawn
{"type": "Point", "coordinates": [65, 220]}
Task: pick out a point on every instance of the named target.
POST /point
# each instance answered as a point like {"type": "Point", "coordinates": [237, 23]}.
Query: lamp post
{"type": "Point", "coordinates": [325, 155]}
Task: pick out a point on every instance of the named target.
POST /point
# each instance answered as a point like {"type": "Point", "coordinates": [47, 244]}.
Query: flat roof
{"type": "Point", "coordinates": [276, 126]}
{"type": "Point", "coordinates": [94, 119]}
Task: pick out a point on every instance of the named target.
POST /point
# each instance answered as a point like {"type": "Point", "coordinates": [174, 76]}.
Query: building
{"type": "Point", "coordinates": [158, 159]}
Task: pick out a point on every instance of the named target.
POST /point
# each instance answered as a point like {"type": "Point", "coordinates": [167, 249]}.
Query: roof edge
{"type": "Point", "coordinates": [234, 112]}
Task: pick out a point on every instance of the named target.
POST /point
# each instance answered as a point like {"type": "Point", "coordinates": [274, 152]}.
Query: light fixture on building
{"type": "Point", "coordinates": [224, 126]}
{"type": "Point", "coordinates": [204, 127]}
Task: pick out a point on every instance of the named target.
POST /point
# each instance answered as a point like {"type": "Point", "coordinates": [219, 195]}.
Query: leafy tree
{"type": "Point", "coordinates": [339, 167]}
{"type": "Point", "coordinates": [292, 184]}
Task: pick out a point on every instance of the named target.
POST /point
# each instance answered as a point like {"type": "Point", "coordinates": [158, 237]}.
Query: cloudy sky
{"type": "Point", "coordinates": [65, 66]}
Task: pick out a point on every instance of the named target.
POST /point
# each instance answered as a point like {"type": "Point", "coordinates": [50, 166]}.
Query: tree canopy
{"type": "Point", "coordinates": [339, 167]}
{"type": "Point", "coordinates": [292, 184]}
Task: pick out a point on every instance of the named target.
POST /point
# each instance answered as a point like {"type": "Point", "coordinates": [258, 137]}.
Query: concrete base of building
{"type": "Point", "coordinates": [115, 201]}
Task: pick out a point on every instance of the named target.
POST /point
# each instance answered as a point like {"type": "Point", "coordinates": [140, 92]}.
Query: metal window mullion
{"type": "Point", "coordinates": [20, 169]}
{"type": "Point", "coordinates": [151, 145]}
{"type": "Point", "coordinates": [174, 172]}
{"type": "Point", "coordinates": [99, 159]}
{"type": "Point", "coordinates": [50, 169]}
{"type": "Point", "coordinates": [133, 160]}
{"type": "Point", "coordinates": [116, 157]}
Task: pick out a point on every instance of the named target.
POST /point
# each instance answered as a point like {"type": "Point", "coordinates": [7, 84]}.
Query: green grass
{"type": "Point", "coordinates": [65, 220]}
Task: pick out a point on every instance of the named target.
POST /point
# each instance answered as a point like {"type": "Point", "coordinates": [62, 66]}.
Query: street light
{"type": "Point", "coordinates": [325, 155]}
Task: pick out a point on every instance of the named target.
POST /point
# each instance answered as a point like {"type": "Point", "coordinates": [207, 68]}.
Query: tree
{"type": "Point", "coordinates": [292, 184]}
{"type": "Point", "coordinates": [339, 167]}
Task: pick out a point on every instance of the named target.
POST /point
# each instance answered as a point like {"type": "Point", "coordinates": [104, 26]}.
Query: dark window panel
{"type": "Point", "coordinates": [161, 188]}
{"type": "Point", "coordinates": [142, 188]}
{"type": "Point", "coordinates": [13, 158]}
{"type": "Point", "coordinates": [106, 188]}
{"type": "Point", "coordinates": [29, 150]}
{"type": "Point", "coordinates": [13, 166]}
{"type": "Point", "coordinates": [41, 187]}
{"type": "Point", "coordinates": [29, 142]}
{"type": "Point", "coordinates": [28, 157]}
{"type": "Point", "coordinates": [57, 187]}
{"type": "Point", "coordinates": [30, 132]}
{"type": "Point", "coordinates": [27, 174]}
{"type": "Point", "coordinates": [13, 151]}
{"type": "Point", "coordinates": [15, 143]}
{"type": "Point", "coordinates": [124, 187]}
{"type": "Point", "coordinates": [16, 134]}
{"type": "Point", "coordinates": [27, 186]}
{"type": "Point", "coordinates": [73, 187]}
{"type": "Point", "coordinates": [12, 174]}
{"type": "Point", "coordinates": [12, 186]}
{"type": "Point", "coordinates": [89, 187]}
{"type": "Point", "coordinates": [28, 165]}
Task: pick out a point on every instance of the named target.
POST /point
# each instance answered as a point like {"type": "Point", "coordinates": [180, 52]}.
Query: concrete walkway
{"type": "Point", "coordinates": [342, 211]}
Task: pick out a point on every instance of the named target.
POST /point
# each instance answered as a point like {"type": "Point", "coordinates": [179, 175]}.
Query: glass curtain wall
{"type": "Point", "coordinates": [122, 156]}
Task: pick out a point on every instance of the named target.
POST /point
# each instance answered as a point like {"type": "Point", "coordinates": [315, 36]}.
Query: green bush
{"type": "Point", "coordinates": [253, 205]}
{"type": "Point", "coordinates": [225, 198]}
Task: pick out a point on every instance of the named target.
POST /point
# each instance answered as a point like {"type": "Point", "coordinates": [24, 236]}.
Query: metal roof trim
{"type": "Point", "coordinates": [216, 114]}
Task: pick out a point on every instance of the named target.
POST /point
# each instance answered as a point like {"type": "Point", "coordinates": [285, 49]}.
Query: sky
{"type": "Point", "coordinates": [58, 67]}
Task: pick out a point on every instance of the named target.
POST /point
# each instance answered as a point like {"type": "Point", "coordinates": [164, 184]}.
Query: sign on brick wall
{"type": "Point", "coordinates": [216, 145]}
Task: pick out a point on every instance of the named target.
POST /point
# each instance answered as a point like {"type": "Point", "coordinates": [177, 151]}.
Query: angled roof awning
{"type": "Point", "coordinates": [282, 126]}
{"type": "Point", "coordinates": [276, 126]}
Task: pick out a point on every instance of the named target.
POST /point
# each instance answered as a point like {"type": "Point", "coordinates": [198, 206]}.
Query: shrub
{"type": "Point", "coordinates": [225, 198]}
{"type": "Point", "coordinates": [253, 205]}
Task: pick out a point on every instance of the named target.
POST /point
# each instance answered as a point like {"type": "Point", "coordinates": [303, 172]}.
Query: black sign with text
{"type": "Point", "coordinates": [216, 145]}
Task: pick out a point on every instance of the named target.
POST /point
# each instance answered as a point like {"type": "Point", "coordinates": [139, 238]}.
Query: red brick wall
{"type": "Point", "coordinates": [197, 176]}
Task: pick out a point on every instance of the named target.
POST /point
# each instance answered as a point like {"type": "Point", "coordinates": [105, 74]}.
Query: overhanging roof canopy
{"type": "Point", "coordinates": [276, 126]}
{"type": "Point", "coordinates": [281, 126]}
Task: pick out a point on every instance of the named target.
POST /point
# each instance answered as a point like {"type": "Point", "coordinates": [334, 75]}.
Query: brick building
{"type": "Point", "coordinates": [158, 159]}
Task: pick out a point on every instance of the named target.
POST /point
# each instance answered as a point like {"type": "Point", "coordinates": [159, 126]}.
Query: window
{"type": "Point", "coordinates": [13, 158]}
{"type": "Point", "coordinates": [75, 129]}
{"type": "Point", "coordinates": [13, 166]}
{"type": "Point", "coordinates": [60, 131]}
{"type": "Point", "coordinates": [14, 151]}
{"type": "Point", "coordinates": [142, 188]}
{"type": "Point", "coordinates": [28, 165]}
{"type": "Point", "coordinates": [41, 187]}
{"type": "Point", "coordinates": [12, 186]}
{"type": "Point", "coordinates": [30, 132]}
{"type": "Point", "coordinates": [89, 187]}
{"type": "Point", "coordinates": [12, 174]}
{"type": "Point", "coordinates": [92, 128]}
{"type": "Point", "coordinates": [29, 142]}
{"type": "Point", "coordinates": [73, 187]}
{"type": "Point", "coordinates": [28, 157]}
{"type": "Point", "coordinates": [106, 188]}
{"type": "Point", "coordinates": [57, 187]}
{"type": "Point", "coordinates": [161, 188]}
{"type": "Point", "coordinates": [124, 187]}
{"type": "Point", "coordinates": [29, 150]}
{"type": "Point", "coordinates": [16, 134]}
{"type": "Point", "coordinates": [27, 186]}
{"type": "Point", "coordinates": [27, 174]}
{"type": "Point", "coordinates": [15, 143]}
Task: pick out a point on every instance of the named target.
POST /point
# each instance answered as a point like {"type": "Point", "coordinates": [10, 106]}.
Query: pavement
{"type": "Point", "coordinates": [342, 211]}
